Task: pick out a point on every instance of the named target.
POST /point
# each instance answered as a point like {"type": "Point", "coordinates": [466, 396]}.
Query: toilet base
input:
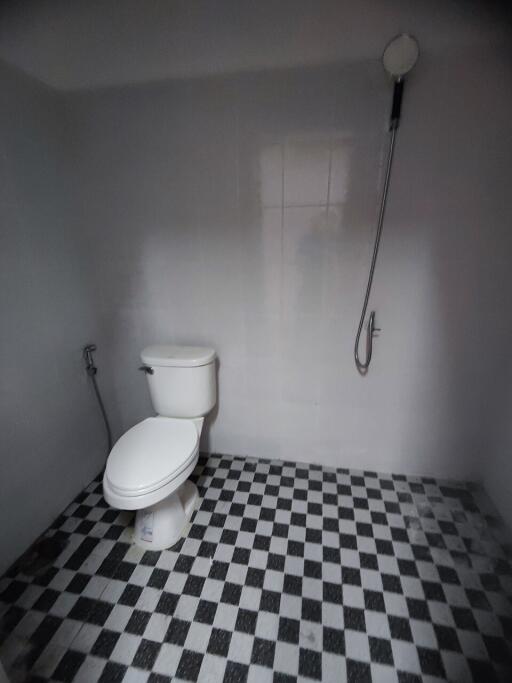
{"type": "Point", "coordinates": [161, 526]}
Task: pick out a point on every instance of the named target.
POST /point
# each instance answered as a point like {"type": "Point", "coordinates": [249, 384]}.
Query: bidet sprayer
{"type": "Point", "coordinates": [91, 370]}
{"type": "Point", "coordinates": [88, 350]}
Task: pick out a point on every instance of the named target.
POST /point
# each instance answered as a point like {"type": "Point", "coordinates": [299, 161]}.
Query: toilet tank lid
{"type": "Point", "coordinates": [169, 355]}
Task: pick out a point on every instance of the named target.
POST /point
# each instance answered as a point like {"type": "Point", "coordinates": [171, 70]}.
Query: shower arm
{"type": "Point", "coordinates": [371, 329]}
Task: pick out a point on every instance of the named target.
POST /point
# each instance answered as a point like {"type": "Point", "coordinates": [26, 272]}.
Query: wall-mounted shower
{"type": "Point", "coordinates": [399, 57]}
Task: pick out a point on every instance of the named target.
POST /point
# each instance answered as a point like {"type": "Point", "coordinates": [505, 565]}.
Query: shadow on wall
{"type": "Point", "coordinates": [242, 214]}
{"type": "Point", "coordinates": [454, 197]}
{"type": "Point", "coordinates": [48, 418]}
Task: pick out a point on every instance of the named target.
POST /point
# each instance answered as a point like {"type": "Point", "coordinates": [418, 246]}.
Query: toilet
{"type": "Point", "coordinates": [148, 468]}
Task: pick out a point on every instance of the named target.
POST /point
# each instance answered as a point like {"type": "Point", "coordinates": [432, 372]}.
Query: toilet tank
{"type": "Point", "coordinates": [182, 379]}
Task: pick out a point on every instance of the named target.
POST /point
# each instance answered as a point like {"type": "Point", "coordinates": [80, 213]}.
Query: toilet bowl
{"type": "Point", "coordinates": [148, 468]}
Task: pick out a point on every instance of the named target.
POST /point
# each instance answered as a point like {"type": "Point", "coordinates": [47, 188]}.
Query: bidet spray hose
{"type": "Point", "coordinates": [91, 370]}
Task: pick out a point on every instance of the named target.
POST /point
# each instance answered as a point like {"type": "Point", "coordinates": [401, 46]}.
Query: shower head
{"type": "Point", "coordinates": [400, 55]}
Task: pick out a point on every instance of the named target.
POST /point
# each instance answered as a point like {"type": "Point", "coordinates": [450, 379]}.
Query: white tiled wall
{"type": "Point", "coordinates": [240, 213]}
{"type": "Point", "coordinates": [52, 442]}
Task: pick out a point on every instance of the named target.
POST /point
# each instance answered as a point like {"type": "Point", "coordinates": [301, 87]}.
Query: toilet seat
{"type": "Point", "coordinates": [150, 456]}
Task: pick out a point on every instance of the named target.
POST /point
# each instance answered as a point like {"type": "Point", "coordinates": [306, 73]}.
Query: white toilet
{"type": "Point", "coordinates": [148, 468]}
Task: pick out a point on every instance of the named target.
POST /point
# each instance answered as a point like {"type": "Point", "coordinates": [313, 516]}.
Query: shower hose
{"type": "Point", "coordinates": [363, 365]}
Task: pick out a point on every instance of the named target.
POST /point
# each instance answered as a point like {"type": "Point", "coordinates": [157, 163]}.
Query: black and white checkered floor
{"type": "Point", "coordinates": [288, 573]}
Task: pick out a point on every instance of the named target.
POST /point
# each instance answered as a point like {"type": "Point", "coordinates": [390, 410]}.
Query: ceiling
{"type": "Point", "coordinates": [75, 44]}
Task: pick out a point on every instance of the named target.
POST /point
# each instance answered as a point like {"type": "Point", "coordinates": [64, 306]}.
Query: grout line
{"type": "Point", "coordinates": [319, 205]}
{"type": "Point", "coordinates": [237, 154]}
{"type": "Point", "coordinates": [329, 179]}
{"type": "Point", "coordinates": [281, 269]}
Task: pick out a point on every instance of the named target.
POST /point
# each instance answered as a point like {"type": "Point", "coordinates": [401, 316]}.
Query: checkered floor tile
{"type": "Point", "coordinates": [287, 573]}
